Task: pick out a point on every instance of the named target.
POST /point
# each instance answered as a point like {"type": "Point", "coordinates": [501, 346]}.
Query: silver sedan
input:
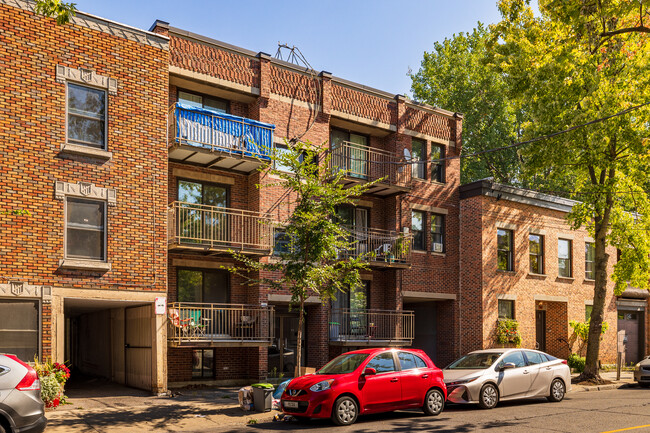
{"type": "Point", "coordinates": [642, 372]}
{"type": "Point", "coordinates": [489, 376]}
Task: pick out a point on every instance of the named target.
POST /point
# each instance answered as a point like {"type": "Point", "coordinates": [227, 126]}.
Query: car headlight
{"type": "Point", "coordinates": [460, 382]}
{"type": "Point", "coordinates": [321, 386]}
{"type": "Point", "coordinates": [637, 367]}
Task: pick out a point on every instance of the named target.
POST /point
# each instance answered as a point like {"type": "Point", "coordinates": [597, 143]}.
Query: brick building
{"type": "Point", "coordinates": [83, 151]}
{"type": "Point", "coordinates": [521, 260]}
{"type": "Point", "coordinates": [232, 332]}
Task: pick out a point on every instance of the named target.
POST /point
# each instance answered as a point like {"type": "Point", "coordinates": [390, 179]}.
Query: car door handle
{"type": "Point", "coordinates": [424, 376]}
{"type": "Point", "coordinates": [526, 371]}
{"type": "Point", "coordinates": [394, 379]}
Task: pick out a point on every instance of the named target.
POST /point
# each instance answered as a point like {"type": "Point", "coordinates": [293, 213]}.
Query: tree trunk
{"type": "Point", "coordinates": [301, 321]}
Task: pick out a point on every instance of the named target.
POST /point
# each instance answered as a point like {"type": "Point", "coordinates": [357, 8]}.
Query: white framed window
{"type": "Point", "coordinates": [564, 258]}
{"type": "Point", "coordinates": [85, 233]}
{"type": "Point", "coordinates": [86, 122]}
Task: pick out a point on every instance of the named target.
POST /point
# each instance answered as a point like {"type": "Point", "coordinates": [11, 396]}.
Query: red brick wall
{"type": "Point", "coordinates": [526, 287]}
{"type": "Point", "coordinates": [32, 130]}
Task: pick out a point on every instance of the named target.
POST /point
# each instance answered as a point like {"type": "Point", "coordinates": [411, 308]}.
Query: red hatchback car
{"type": "Point", "coordinates": [367, 381]}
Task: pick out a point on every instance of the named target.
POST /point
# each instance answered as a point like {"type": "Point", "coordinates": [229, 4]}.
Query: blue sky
{"type": "Point", "coordinates": [371, 42]}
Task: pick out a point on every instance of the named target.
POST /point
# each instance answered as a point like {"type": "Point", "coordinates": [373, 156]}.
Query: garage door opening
{"type": "Point", "coordinates": [109, 342]}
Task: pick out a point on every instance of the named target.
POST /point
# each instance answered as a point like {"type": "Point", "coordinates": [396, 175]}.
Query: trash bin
{"type": "Point", "coordinates": [262, 397]}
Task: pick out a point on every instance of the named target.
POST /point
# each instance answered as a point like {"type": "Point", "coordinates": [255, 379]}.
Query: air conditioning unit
{"type": "Point", "coordinates": [437, 248]}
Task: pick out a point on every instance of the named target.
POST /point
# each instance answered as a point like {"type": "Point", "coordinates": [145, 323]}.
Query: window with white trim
{"type": "Point", "coordinates": [86, 122]}
{"type": "Point", "coordinates": [85, 229]}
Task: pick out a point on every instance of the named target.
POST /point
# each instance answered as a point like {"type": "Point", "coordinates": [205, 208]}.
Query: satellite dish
{"type": "Point", "coordinates": [407, 154]}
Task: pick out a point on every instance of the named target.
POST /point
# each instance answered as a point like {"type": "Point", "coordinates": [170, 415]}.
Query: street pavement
{"type": "Point", "coordinates": [215, 410]}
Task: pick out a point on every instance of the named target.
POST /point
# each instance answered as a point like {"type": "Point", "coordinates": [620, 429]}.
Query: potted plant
{"type": "Point", "coordinates": [507, 333]}
{"type": "Point", "coordinates": [53, 377]}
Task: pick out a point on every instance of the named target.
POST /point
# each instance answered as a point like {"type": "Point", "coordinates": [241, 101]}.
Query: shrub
{"type": "Point", "coordinates": [50, 373]}
{"type": "Point", "coordinates": [50, 390]}
{"type": "Point", "coordinates": [507, 332]}
{"type": "Point", "coordinates": [576, 362]}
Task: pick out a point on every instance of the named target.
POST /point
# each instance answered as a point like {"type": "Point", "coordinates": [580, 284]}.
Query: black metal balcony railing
{"type": "Point", "coordinates": [371, 326]}
{"type": "Point", "coordinates": [203, 226]}
{"type": "Point", "coordinates": [381, 247]}
{"type": "Point", "coordinates": [369, 164]}
{"type": "Point", "coordinates": [220, 132]}
{"type": "Point", "coordinates": [219, 324]}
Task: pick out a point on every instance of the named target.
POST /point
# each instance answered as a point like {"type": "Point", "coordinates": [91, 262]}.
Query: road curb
{"type": "Point", "coordinates": [582, 388]}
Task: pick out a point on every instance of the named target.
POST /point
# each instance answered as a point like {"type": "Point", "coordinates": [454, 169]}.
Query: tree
{"type": "Point", "coordinates": [311, 263]}
{"type": "Point", "coordinates": [56, 9]}
{"type": "Point", "coordinates": [574, 65]}
{"type": "Point", "coordinates": [455, 75]}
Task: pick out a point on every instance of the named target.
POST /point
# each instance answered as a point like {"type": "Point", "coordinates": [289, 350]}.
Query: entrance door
{"type": "Point", "coordinates": [426, 329]}
{"type": "Point", "coordinates": [283, 354]}
{"type": "Point", "coordinates": [628, 321]}
{"type": "Point", "coordinates": [540, 330]}
{"type": "Point", "coordinates": [137, 346]}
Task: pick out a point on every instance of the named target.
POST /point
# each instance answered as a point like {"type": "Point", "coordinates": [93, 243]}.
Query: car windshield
{"type": "Point", "coordinates": [474, 361]}
{"type": "Point", "coordinates": [343, 364]}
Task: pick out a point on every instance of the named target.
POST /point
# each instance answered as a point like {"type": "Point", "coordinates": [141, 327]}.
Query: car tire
{"type": "Point", "coordinates": [2, 429]}
{"type": "Point", "coordinates": [489, 396]}
{"type": "Point", "coordinates": [345, 411]}
{"type": "Point", "coordinates": [434, 402]}
{"type": "Point", "coordinates": [558, 390]}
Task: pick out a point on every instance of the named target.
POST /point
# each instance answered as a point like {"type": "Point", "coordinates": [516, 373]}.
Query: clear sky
{"type": "Point", "coordinates": [372, 42]}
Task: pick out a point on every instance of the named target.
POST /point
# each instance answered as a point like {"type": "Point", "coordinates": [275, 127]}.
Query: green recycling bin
{"type": "Point", "coordinates": [263, 396]}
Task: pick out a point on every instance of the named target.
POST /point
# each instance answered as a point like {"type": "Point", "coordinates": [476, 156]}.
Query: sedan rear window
{"type": "Point", "coordinates": [475, 361]}
{"type": "Point", "coordinates": [409, 361]}
{"type": "Point", "coordinates": [534, 357]}
{"type": "Point", "coordinates": [343, 364]}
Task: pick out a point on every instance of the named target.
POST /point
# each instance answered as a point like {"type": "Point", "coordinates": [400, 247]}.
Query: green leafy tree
{"type": "Point", "coordinates": [57, 9]}
{"type": "Point", "coordinates": [311, 263]}
{"type": "Point", "coordinates": [456, 75]}
{"type": "Point", "coordinates": [572, 65]}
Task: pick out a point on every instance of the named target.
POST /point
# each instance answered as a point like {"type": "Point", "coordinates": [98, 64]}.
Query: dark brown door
{"type": "Point", "coordinates": [540, 330]}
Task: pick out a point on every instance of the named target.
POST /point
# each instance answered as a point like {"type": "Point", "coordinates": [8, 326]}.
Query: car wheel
{"type": "Point", "coordinates": [489, 396]}
{"type": "Point", "coordinates": [557, 391]}
{"type": "Point", "coordinates": [434, 402]}
{"type": "Point", "coordinates": [345, 411]}
{"type": "Point", "coordinates": [2, 429]}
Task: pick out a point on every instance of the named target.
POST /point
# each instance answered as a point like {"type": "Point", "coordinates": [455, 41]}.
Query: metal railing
{"type": "Point", "coordinates": [220, 132]}
{"type": "Point", "coordinates": [190, 322]}
{"type": "Point", "coordinates": [346, 325]}
{"type": "Point", "coordinates": [366, 163]}
{"type": "Point", "coordinates": [379, 246]}
{"type": "Point", "coordinates": [219, 227]}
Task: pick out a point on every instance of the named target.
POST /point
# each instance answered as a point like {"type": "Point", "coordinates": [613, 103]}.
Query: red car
{"type": "Point", "coordinates": [367, 381]}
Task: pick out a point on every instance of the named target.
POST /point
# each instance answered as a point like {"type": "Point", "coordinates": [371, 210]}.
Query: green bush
{"type": "Point", "coordinates": [576, 362]}
{"type": "Point", "coordinates": [507, 332]}
{"type": "Point", "coordinates": [50, 388]}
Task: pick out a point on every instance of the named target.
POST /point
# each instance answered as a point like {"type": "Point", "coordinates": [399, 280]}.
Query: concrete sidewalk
{"type": "Point", "coordinates": [627, 379]}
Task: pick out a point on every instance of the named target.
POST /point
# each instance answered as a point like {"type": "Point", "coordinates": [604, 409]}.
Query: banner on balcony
{"type": "Point", "coordinates": [223, 132]}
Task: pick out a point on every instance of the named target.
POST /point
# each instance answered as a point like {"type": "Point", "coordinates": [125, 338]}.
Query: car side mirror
{"type": "Point", "coordinates": [507, 366]}
{"type": "Point", "coordinates": [369, 371]}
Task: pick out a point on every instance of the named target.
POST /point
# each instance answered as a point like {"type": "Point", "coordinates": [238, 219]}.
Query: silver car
{"type": "Point", "coordinates": [489, 376]}
{"type": "Point", "coordinates": [21, 407]}
{"type": "Point", "coordinates": [642, 372]}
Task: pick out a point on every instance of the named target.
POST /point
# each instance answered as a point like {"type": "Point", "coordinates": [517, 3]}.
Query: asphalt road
{"type": "Point", "coordinates": [625, 409]}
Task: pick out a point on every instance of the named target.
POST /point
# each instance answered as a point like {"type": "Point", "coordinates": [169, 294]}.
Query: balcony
{"type": "Point", "coordinates": [365, 164]}
{"type": "Point", "coordinates": [211, 139]}
{"type": "Point", "coordinates": [213, 229]}
{"type": "Point", "coordinates": [383, 248]}
{"type": "Point", "coordinates": [219, 325]}
{"type": "Point", "coordinates": [371, 327]}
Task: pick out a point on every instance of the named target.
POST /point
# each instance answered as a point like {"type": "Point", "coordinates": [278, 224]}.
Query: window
{"type": "Point", "coordinates": [203, 286]}
{"type": "Point", "coordinates": [504, 250]}
{"type": "Point", "coordinates": [536, 252]}
{"type": "Point", "coordinates": [382, 363]}
{"type": "Point", "coordinates": [202, 101]}
{"type": "Point", "coordinates": [202, 193]}
{"type": "Point", "coordinates": [588, 310]}
{"type": "Point", "coordinates": [534, 357]}
{"type": "Point", "coordinates": [85, 229]}
{"type": "Point", "coordinates": [419, 157]}
{"type": "Point", "coordinates": [417, 227]}
{"type": "Point", "coordinates": [515, 357]}
{"type": "Point", "coordinates": [282, 243]}
{"type": "Point", "coordinates": [350, 152]}
{"type": "Point", "coordinates": [437, 167]}
{"type": "Point", "coordinates": [86, 116]}
{"type": "Point", "coordinates": [410, 361]}
{"type": "Point", "coordinates": [506, 309]}
{"type": "Point", "coordinates": [564, 257]}
{"type": "Point", "coordinates": [438, 233]}
{"type": "Point", "coordinates": [19, 330]}
{"type": "Point", "coordinates": [590, 255]}
{"type": "Point", "coordinates": [282, 149]}
{"type": "Point", "coordinates": [203, 364]}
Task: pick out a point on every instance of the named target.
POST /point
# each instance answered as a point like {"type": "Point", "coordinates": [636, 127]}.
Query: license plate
{"type": "Point", "coordinates": [291, 404]}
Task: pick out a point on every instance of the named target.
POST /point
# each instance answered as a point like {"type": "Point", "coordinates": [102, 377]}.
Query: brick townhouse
{"type": "Point", "coordinates": [222, 331]}
{"type": "Point", "coordinates": [84, 151]}
{"type": "Point", "coordinates": [522, 261]}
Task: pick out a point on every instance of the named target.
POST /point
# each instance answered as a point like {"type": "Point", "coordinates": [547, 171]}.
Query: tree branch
{"type": "Point", "coordinates": [637, 29]}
